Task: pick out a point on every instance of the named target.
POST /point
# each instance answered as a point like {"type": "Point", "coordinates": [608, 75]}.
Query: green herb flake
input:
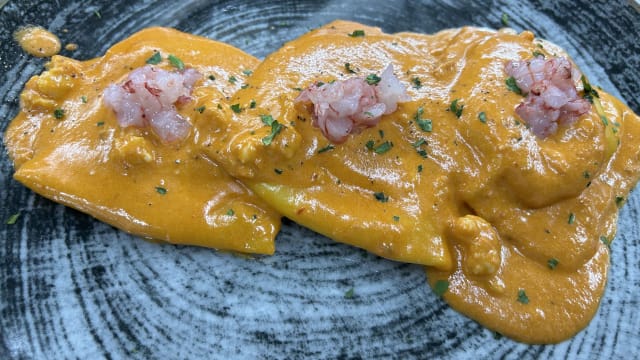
{"type": "Point", "coordinates": [619, 201]}
{"type": "Point", "coordinates": [347, 67]}
{"type": "Point", "coordinates": [100, 123]}
{"type": "Point", "coordinates": [275, 128]}
{"type": "Point", "coordinates": [383, 147]}
{"type": "Point", "coordinates": [586, 174]}
{"type": "Point", "coordinates": [604, 119]}
{"type": "Point", "coordinates": [155, 58]}
{"type": "Point", "coordinates": [297, 89]}
{"type": "Point", "coordinates": [425, 124]}
{"type": "Point", "coordinates": [482, 117]}
{"type": "Point", "coordinates": [418, 142]}
{"type": "Point", "coordinates": [97, 14]}
{"type": "Point", "coordinates": [326, 148]}
{"type": "Point", "coordinates": [373, 79]}
{"type": "Point", "coordinates": [456, 108]}
{"type": "Point", "coordinates": [369, 144]}
{"type": "Point", "coordinates": [396, 218]}
{"type": "Point", "coordinates": [589, 92]}
{"type": "Point", "coordinates": [12, 219]}
{"type": "Point", "coordinates": [422, 153]}
{"type": "Point", "coordinates": [58, 113]}
{"type": "Point", "coordinates": [161, 190]}
{"type": "Point", "coordinates": [572, 218]}
{"type": "Point", "coordinates": [252, 104]}
{"type": "Point", "coordinates": [236, 108]}
{"type": "Point", "coordinates": [512, 85]}
{"type": "Point", "coordinates": [247, 72]}
{"type": "Point", "coordinates": [552, 263]}
{"type": "Point", "coordinates": [230, 212]}
{"type": "Point", "coordinates": [380, 196]}
{"type": "Point", "coordinates": [357, 33]}
{"type": "Point", "coordinates": [244, 86]}
{"type": "Point", "coordinates": [212, 77]}
{"type": "Point", "coordinates": [420, 168]}
{"type": "Point", "coordinates": [441, 287]}
{"type": "Point", "coordinates": [417, 84]}
{"type": "Point", "coordinates": [605, 240]}
{"type": "Point", "coordinates": [232, 79]}
{"type": "Point", "coordinates": [176, 62]}
{"type": "Point", "coordinates": [350, 293]}
{"type": "Point", "coordinates": [537, 53]}
{"type": "Point", "coordinates": [522, 297]}
{"type": "Point", "coordinates": [278, 171]}
{"type": "Point", "coordinates": [83, 98]}
{"type": "Point", "coordinates": [504, 19]}
{"type": "Point", "coordinates": [201, 109]}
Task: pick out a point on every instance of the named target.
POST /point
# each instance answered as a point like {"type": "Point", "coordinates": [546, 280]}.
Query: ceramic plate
{"type": "Point", "coordinates": [72, 287]}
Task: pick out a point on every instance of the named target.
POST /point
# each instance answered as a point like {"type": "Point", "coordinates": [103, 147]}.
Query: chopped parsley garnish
{"type": "Point", "coordinates": [97, 14]}
{"type": "Point", "coordinates": [326, 148]}
{"type": "Point", "coordinates": [236, 108]}
{"type": "Point", "coordinates": [424, 124]}
{"type": "Point", "coordinates": [244, 86]}
{"type": "Point", "coordinates": [482, 117]}
{"type": "Point", "coordinates": [420, 168]}
{"type": "Point", "coordinates": [419, 142]}
{"type": "Point", "coordinates": [247, 72]}
{"type": "Point", "coordinates": [512, 85]}
{"type": "Point", "coordinates": [572, 218]}
{"type": "Point", "coordinates": [100, 123]}
{"type": "Point", "coordinates": [589, 92]}
{"type": "Point", "coordinates": [176, 62]}
{"type": "Point", "coordinates": [552, 263]}
{"type": "Point", "coordinates": [537, 53]}
{"type": "Point", "coordinates": [504, 19]}
{"type": "Point", "coordinates": [605, 241]}
{"type": "Point", "coordinates": [155, 58]}
{"type": "Point", "coordinates": [456, 108]}
{"type": "Point", "coordinates": [604, 119]}
{"type": "Point", "coordinates": [232, 79]}
{"type": "Point", "coordinates": [161, 190]}
{"type": "Point", "coordinates": [297, 89]}
{"type": "Point", "coordinates": [347, 67]}
{"type": "Point", "coordinates": [416, 82]}
{"type": "Point", "coordinates": [380, 196]}
{"type": "Point", "coordinates": [380, 148]}
{"type": "Point", "coordinates": [252, 104]}
{"type": "Point", "coordinates": [373, 79]}
{"type": "Point", "coordinates": [586, 175]}
{"type": "Point", "coordinates": [58, 113]}
{"type": "Point", "coordinates": [441, 287]}
{"type": "Point", "coordinates": [12, 219]}
{"type": "Point", "coordinates": [357, 33]}
{"type": "Point", "coordinates": [230, 212]}
{"type": "Point", "coordinates": [619, 201]}
{"type": "Point", "coordinates": [276, 127]}
{"type": "Point", "coordinates": [200, 109]}
{"type": "Point", "coordinates": [522, 297]}
{"type": "Point", "coordinates": [421, 152]}
{"type": "Point", "coordinates": [349, 294]}
{"type": "Point", "coordinates": [212, 78]}
{"type": "Point", "coordinates": [396, 218]}
{"type": "Point", "coordinates": [278, 171]}
{"type": "Point", "coordinates": [83, 99]}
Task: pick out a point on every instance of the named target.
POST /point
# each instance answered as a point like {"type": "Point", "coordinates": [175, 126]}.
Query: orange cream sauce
{"type": "Point", "coordinates": [67, 146]}
{"type": "Point", "coordinates": [515, 225]}
{"type": "Point", "coordinates": [37, 41]}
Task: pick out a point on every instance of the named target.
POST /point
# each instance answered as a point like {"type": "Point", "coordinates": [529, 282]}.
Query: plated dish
{"type": "Point", "coordinates": [347, 291]}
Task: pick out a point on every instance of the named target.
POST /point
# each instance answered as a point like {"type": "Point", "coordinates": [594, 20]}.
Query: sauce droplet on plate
{"type": "Point", "coordinates": [37, 41]}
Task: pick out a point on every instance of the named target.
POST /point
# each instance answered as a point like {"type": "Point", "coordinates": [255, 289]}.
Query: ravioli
{"type": "Point", "coordinates": [513, 228]}
{"type": "Point", "coordinates": [68, 146]}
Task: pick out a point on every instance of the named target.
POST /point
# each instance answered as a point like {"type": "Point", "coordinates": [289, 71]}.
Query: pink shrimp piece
{"type": "Point", "coordinates": [148, 98]}
{"type": "Point", "coordinates": [345, 107]}
{"type": "Point", "coordinates": [551, 95]}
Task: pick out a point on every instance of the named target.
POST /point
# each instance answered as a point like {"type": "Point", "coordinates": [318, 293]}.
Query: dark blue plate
{"type": "Point", "coordinates": [72, 287]}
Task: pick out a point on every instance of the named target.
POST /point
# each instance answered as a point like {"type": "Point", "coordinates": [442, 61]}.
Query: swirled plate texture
{"type": "Point", "coordinates": [72, 287]}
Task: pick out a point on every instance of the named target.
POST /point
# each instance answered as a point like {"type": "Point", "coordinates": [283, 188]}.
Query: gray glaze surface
{"type": "Point", "coordinates": [72, 287]}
